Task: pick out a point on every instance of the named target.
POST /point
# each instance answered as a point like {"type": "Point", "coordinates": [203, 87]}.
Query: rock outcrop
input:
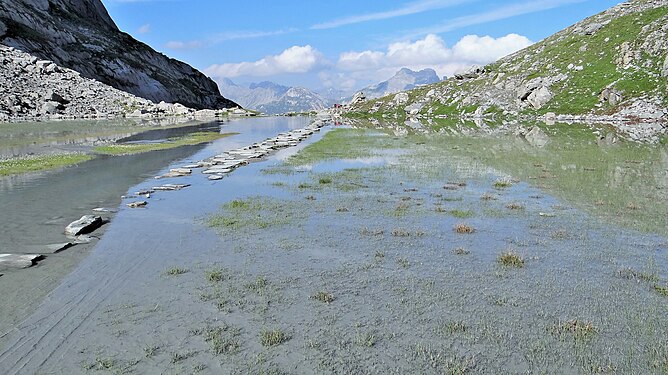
{"type": "Point", "coordinates": [33, 89]}
{"type": "Point", "coordinates": [80, 35]}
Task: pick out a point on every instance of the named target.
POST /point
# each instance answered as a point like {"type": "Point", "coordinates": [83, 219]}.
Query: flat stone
{"type": "Point", "coordinates": [215, 177]}
{"type": "Point", "coordinates": [18, 260]}
{"type": "Point", "coordinates": [137, 204]}
{"type": "Point", "coordinates": [86, 224]}
{"type": "Point", "coordinates": [104, 209]}
{"type": "Point", "coordinates": [182, 170]}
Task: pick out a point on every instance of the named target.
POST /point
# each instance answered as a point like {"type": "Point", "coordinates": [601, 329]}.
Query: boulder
{"type": "Point", "coordinates": [611, 95]}
{"type": "Point", "coordinates": [401, 98]}
{"type": "Point", "coordinates": [54, 97]}
{"type": "Point", "coordinates": [358, 98]}
{"type": "Point", "coordinates": [539, 97]}
{"type": "Point", "coordinates": [50, 108]}
{"type": "Point", "coordinates": [86, 224]}
{"type": "Point", "coordinates": [473, 72]}
{"type": "Point", "coordinates": [591, 29]}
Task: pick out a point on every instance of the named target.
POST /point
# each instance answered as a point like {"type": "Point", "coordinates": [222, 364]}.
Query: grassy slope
{"type": "Point", "coordinates": [189, 140]}
{"type": "Point", "coordinates": [578, 94]}
{"type": "Point", "coordinates": [40, 163]}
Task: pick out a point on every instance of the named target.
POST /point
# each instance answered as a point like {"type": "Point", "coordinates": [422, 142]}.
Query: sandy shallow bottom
{"type": "Point", "coordinates": [354, 266]}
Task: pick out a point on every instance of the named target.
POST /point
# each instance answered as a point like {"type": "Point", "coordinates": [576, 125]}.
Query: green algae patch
{"type": "Point", "coordinates": [37, 163]}
{"type": "Point", "coordinates": [189, 140]}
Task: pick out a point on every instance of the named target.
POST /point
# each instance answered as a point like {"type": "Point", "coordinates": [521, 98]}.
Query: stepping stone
{"type": "Point", "coordinates": [18, 260]}
{"type": "Point", "coordinates": [171, 187]}
{"type": "Point", "coordinates": [182, 170]}
{"type": "Point", "coordinates": [137, 204]}
{"type": "Point", "coordinates": [215, 177]}
{"type": "Point", "coordinates": [104, 209]}
{"type": "Point", "coordinates": [86, 224]}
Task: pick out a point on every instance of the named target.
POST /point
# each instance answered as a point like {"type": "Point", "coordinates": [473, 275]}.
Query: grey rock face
{"type": "Point", "coordinates": [404, 79]}
{"type": "Point", "coordinates": [664, 70]}
{"type": "Point", "coordinates": [80, 35]}
{"type": "Point", "coordinates": [86, 224]}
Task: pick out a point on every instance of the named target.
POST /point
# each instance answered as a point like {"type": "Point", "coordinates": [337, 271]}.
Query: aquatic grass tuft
{"type": "Point", "coordinates": [514, 206]}
{"type": "Point", "coordinates": [325, 297]}
{"type": "Point", "coordinates": [461, 251]}
{"type": "Point", "coordinates": [214, 276]}
{"type": "Point", "coordinates": [662, 290]}
{"type": "Point", "coordinates": [325, 180]}
{"type": "Point", "coordinates": [633, 274]}
{"type": "Point", "coordinates": [510, 259]}
{"type": "Point", "coordinates": [464, 229]}
{"type": "Point", "coordinates": [503, 183]}
{"type": "Point", "coordinates": [578, 328]}
{"type": "Point", "coordinates": [175, 271]}
{"type": "Point", "coordinates": [273, 337]}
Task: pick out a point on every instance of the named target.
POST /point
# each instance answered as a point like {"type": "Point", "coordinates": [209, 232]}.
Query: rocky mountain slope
{"type": "Point", "coordinates": [34, 89]}
{"type": "Point", "coordinates": [80, 35]}
{"type": "Point", "coordinates": [404, 80]}
{"type": "Point", "coordinates": [612, 66]}
{"type": "Point", "coordinates": [272, 98]}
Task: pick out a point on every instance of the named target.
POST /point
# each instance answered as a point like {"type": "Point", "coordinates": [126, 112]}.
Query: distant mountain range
{"type": "Point", "coordinates": [272, 98]}
{"type": "Point", "coordinates": [404, 80]}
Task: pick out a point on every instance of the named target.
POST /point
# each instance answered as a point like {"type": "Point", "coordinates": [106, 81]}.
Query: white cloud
{"type": "Point", "coordinates": [249, 34]}
{"type": "Point", "coordinates": [430, 52]}
{"type": "Point", "coordinates": [408, 9]}
{"type": "Point", "coordinates": [175, 44]}
{"type": "Point", "coordinates": [144, 29]}
{"type": "Point", "coordinates": [501, 13]}
{"type": "Point", "coordinates": [296, 59]}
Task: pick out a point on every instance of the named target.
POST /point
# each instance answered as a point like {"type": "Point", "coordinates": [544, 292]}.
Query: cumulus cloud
{"type": "Point", "coordinates": [431, 52]}
{"type": "Point", "coordinates": [296, 59]}
{"type": "Point", "coordinates": [144, 29]}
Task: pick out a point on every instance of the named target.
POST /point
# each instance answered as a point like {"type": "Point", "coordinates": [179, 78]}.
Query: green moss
{"type": "Point", "coordinates": [188, 140]}
{"type": "Point", "coordinates": [40, 163]}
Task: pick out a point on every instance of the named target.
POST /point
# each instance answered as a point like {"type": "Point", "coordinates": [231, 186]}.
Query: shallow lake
{"type": "Point", "coordinates": [377, 250]}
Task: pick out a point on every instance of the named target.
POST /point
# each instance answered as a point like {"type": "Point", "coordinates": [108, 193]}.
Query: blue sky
{"type": "Point", "coordinates": [344, 44]}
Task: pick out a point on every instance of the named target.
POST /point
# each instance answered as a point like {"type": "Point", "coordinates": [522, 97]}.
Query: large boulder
{"type": "Point", "coordinates": [539, 97]}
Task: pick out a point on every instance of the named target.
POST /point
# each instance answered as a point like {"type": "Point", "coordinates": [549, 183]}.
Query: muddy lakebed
{"type": "Point", "coordinates": [364, 251]}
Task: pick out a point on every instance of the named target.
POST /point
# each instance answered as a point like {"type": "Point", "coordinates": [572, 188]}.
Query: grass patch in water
{"type": "Point", "coordinates": [662, 290]}
{"type": "Point", "coordinates": [461, 214]}
{"type": "Point", "coordinates": [325, 297]}
{"type": "Point", "coordinates": [188, 140]}
{"type": "Point", "coordinates": [273, 337]}
{"type": "Point", "coordinates": [342, 144]}
{"type": "Point", "coordinates": [254, 212]}
{"type": "Point", "coordinates": [36, 163]}
{"type": "Point", "coordinates": [175, 271]}
{"type": "Point", "coordinates": [510, 259]}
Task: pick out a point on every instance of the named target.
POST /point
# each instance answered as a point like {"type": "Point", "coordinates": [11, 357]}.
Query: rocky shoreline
{"type": "Point", "coordinates": [39, 90]}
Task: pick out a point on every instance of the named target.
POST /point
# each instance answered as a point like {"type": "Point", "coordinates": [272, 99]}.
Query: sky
{"type": "Point", "coordinates": [343, 44]}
